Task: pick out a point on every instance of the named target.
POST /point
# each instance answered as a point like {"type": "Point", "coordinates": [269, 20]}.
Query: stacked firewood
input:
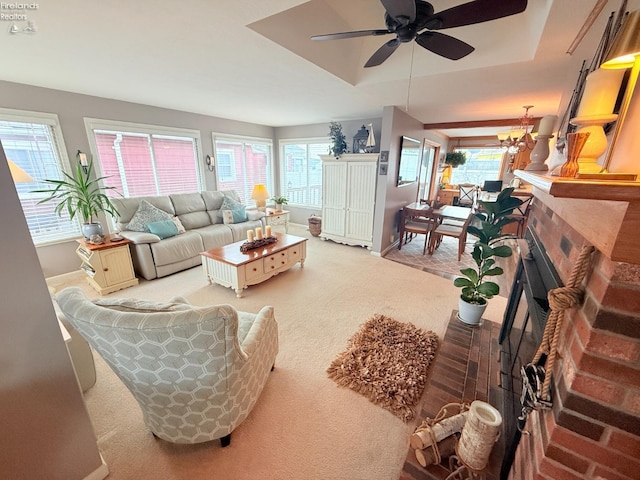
{"type": "Point", "coordinates": [435, 439]}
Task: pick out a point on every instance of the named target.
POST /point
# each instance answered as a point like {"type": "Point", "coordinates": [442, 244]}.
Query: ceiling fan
{"type": "Point", "coordinates": [408, 18]}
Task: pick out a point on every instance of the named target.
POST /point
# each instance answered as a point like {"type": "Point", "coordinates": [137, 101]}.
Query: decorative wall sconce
{"type": "Point", "coordinates": [210, 161]}
{"type": "Point", "coordinates": [83, 161]}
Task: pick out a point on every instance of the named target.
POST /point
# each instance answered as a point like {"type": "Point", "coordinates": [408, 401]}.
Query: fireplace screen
{"type": "Point", "coordinates": [521, 333]}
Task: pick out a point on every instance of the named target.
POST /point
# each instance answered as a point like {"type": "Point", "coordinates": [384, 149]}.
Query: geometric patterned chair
{"type": "Point", "coordinates": [196, 372]}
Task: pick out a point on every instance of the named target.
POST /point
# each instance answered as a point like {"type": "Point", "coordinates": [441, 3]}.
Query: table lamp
{"type": "Point", "coordinates": [260, 195]}
{"type": "Point", "coordinates": [624, 53]}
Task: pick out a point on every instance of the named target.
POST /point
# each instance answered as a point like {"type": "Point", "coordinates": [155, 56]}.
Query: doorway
{"type": "Point", "coordinates": [430, 154]}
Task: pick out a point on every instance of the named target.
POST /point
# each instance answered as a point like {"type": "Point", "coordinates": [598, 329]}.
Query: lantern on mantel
{"type": "Point", "coordinates": [360, 140]}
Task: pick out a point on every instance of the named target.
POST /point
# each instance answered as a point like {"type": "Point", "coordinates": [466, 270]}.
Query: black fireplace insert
{"type": "Point", "coordinates": [521, 332]}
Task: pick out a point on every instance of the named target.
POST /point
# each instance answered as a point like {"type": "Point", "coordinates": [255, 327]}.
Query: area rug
{"type": "Point", "coordinates": [388, 362]}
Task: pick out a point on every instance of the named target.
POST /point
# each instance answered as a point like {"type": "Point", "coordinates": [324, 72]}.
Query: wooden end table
{"type": "Point", "coordinates": [108, 266]}
{"type": "Point", "coordinates": [229, 267]}
{"type": "Point", "coordinates": [277, 217]}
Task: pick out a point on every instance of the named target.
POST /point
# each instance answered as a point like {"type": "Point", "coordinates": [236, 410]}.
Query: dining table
{"type": "Point", "coordinates": [445, 211]}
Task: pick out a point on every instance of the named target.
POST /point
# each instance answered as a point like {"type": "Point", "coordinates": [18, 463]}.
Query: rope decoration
{"type": "Point", "coordinates": [561, 299]}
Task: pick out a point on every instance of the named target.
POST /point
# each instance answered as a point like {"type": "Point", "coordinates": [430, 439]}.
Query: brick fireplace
{"type": "Point", "coordinates": [593, 430]}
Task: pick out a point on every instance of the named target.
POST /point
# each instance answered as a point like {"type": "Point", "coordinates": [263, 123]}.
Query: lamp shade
{"type": "Point", "coordinates": [626, 46]}
{"type": "Point", "coordinates": [260, 192]}
{"type": "Point", "coordinates": [18, 174]}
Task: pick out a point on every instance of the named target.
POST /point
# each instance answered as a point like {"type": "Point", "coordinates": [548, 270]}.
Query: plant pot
{"type": "Point", "coordinates": [89, 229]}
{"type": "Point", "coordinates": [470, 313]}
{"type": "Point", "coordinates": [279, 206]}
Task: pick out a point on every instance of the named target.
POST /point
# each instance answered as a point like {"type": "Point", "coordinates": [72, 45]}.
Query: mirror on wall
{"type": "Point", "coordinates": [409, 165]}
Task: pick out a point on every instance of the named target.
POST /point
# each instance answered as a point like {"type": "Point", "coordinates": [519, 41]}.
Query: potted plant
{"type": "Point", "coordinates": [455, 159]}
{"type": "Point", "coordinates": [339, 140]}
{"type": "Point", "coordinates": [81, 195]}
{"type": "Point", "coordinates": [280, 201]}
{"type": "Point", "coordinates": [476, 288]}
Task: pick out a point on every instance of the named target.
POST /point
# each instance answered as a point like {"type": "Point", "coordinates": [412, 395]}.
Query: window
{"type": "Point", "coordinates": [241, 163]}
{"type": "Point", "coordinates": [482, 164]}
{"type": "Point", "coordinates": [301, 171]}
{"type": "Point", "coordinates": [141, 160]}
{"type": "Point", "coordinates": [33, 141]}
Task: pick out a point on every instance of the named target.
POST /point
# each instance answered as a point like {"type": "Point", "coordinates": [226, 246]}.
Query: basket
{"type": "Point", "coordinates": [315, 225]}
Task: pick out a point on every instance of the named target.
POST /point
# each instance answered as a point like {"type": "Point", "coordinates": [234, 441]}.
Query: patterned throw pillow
{"type": "Point", "coordinates": [237, 209]}
{"type": "Point", "coordinates": [146, 214]}
{"type": "Point", "coordinates": [178, 223]}
{"type": "Point", "coordinates": [163, 228]}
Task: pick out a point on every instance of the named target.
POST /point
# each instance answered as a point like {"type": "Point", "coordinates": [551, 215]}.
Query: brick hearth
{"type": "Point", "coordinates": [466, 369]}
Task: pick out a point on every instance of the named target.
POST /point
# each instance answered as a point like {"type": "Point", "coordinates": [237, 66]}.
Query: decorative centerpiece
{"type": "Point", "coordinates": [256, 239]}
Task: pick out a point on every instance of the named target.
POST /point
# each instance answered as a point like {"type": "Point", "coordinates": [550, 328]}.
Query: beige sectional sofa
{"type": "Point", "coordinates": [201, 217]}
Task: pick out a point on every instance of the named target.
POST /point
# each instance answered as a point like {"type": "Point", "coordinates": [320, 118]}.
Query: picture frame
{"type": "Point", "coordinates": [384, 156]}
{"type": "Point", "coordinates": [384, 168]}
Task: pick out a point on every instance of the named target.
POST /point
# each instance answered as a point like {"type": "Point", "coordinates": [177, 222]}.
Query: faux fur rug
{"type": "Point", "coordinates": [387, 361]}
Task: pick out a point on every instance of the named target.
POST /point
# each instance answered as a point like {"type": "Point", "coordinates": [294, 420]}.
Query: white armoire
{"type": "Point", "coordinates": [348, 198]}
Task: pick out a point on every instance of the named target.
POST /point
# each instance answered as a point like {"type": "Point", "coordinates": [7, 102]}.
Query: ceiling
{"type": "Point", "coordinates": [254, 61]}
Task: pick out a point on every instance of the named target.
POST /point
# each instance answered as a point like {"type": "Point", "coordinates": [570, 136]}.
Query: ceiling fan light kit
{"type": "Point", "coordinates": [415, 20]}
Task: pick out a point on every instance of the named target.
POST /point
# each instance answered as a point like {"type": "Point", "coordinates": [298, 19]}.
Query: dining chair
{"type": "Point", "coordinates": [521, 214]}
{"type": "Point", "coordinates": [450, 230]}
{"type": "Point", "coordinates": [417, 222]}
{"type": "Point", "coordinates": [467, 195]}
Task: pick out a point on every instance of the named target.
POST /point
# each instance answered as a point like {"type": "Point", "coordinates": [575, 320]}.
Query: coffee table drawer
{"type": "Point", "coordinates": [275, 261]}
{"type": "Point", "coordinates": [254, 269]}
{"type": "Point", "coordinates": [295, 253]}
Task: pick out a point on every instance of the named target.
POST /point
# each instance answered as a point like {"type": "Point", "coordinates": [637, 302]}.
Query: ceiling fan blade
{"type": "Point", "coordinates": [477, 11]}
{"type": "Point", "coordinates": [359, 33]}
{"type": "Point", "coordinates": [403, 11]}
{"type": "Point", "coordinates": [383, 53]}
{"type": "Point", "coordinates": [444, 45]}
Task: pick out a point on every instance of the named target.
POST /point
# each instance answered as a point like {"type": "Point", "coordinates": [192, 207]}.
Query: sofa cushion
{"type": "Point", "coordinates": [216, 235]}
{"type": "Point", "coordinates": [191, 210]}
{"type": "Point", "coordinates": [176, 249]}
{"type": "Point", "coordinates": [146, 214]}
{"type": "Point", "coordinates": [237, 214]}
{"type": "Point", "coordinates": [163, 229]}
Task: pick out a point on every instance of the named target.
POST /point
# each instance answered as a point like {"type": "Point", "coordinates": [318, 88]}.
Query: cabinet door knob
{"type": "Point", "coordinates": [105, 269]}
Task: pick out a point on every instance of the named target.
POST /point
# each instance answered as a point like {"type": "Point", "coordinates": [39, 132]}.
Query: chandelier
{"type": "Point", "coordinates": [518, 139]}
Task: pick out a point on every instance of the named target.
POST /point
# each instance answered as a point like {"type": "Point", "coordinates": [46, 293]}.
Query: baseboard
{"type": "Point", "coordinates": [388, 249]}
{"type": "Point", "coordinates": [99, 473]}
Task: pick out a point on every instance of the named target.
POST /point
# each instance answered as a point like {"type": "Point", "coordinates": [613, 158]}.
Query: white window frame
{"type": "Point", "coordinates": [296, 141]}
{"type": "Point", "coordinates": [92, 124]}
{"type": "Point", "coordinates": [50, 119]}
{"type": "Point", "coordinates": [219, 136]}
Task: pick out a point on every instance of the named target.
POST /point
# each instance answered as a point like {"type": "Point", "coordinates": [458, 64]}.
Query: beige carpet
{"type": "Point", "coordinates": [304, 426]}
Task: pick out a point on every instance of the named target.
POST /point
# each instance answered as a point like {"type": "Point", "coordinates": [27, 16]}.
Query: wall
{"type": "Point", "coordinates": [46, 432]}
{"type": "Point", "coordinates": [593, 429]}
{"type": "Point", "coordinates": [71, 109]}
{"type": "Point", "coordinates": [389, 198]}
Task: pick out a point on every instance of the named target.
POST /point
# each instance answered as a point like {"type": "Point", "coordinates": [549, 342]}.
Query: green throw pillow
{"type": "Point", "coordinates": [238, 210]}
{"type": "Point", "coordinates": [163, 228]}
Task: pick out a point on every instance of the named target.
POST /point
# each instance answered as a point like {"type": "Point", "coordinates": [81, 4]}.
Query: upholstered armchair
{"type": "Point", "coordinates": [196, 372]}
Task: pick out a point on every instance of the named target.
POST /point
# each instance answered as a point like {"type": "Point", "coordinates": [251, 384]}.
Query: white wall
{"type": "Point", "coordinates": [45, 428]}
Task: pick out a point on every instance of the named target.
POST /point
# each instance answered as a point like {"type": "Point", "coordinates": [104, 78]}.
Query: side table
{"type": "Point", "coordinates": [277, 217]}
{"type": "Point", "coordinates": [108, 266]}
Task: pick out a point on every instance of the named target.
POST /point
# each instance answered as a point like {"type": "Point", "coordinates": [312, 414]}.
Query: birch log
{"type": "Point", "coordinates": [446, 448]}
{"type": "Point", "coordinates": [423, 437]}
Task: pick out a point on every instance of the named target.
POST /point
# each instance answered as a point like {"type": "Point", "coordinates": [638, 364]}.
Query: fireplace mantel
{"type": "Point", "coordinates": [606, 213]}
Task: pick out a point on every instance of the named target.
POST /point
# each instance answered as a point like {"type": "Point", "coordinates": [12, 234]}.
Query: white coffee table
{"type": "Point", "coordinates": [229, 267]}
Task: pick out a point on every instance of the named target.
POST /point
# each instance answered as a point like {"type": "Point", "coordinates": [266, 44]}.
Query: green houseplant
{"type": "Point", "coordinates": [487, 227]}
{"type": "Point", "coordinates": [280, 201]}
{"type": "Point", "coordinates": [455, 159]}
{"type": "Point", "coordinates": [81, 195]}
{"type": "Point", "coordinates": [339, 140]}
